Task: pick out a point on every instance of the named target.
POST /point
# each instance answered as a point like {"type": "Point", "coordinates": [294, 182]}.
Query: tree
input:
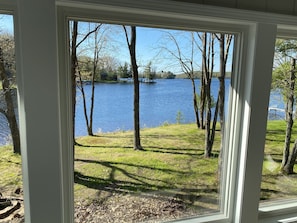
{"type": "Point", "coordinates": [76, 74]}
{"type": "Point", "coordinates": [124, 71]}
{"type": "Point", "coordinates": [284, 78]}
{"type": "Point", "coordinates": [207, 73]}
{"type": "Point", "coordinates": [108, 68]}
{"type": "Point", "coordinates": [131, 42]}
{"type": "Point", "coordinates": [225, 42]}
{"type": "Point", "coordinates": [73, 70]}
{"type": "Point", "coordinates": [149, 73]}
{"type": "Point", "coordinates": [7, 64]}
{"type": "Point", "coordinates": [96, 47]}
{"type": "Point", "coordinates": [187, 65]}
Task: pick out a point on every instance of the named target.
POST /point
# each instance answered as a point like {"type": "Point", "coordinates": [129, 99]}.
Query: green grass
{"type": "Point", "coordinates": [274, 184]}
{"type": "Point", "coordinates": [171, 165]}
{"type": "Point", "coordinates": [10, 169]}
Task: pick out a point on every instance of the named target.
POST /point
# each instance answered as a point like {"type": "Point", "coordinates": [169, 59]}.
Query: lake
{"type": "Point", "coordinates": [159, 103]}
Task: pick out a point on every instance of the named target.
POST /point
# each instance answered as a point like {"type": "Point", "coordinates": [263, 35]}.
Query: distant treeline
{"type": "Point", "coordinates": [197, 75]}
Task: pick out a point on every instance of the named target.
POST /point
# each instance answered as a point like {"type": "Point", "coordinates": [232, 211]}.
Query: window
{"type": "Point", "coordinates": [278, 181]}
{"type": "Point", "coordinates": [47, 152]}
{"type": "Point", "coordinates": [10, 147]}
{"type": "Point", "coordinates": [236, 185]}
{"type": "Point", "coordinates": [174, 172]}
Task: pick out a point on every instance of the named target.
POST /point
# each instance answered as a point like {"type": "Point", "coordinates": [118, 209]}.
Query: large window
{"type": "Point", "coordinates": [173, 170]}
{"type": "Point", "coordinates": [170, 168]}
{"type": "Point", "coordinates": [115, 172]}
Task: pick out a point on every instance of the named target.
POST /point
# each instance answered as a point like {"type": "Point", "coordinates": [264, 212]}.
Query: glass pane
{"type": "Point", "coordinates": [168, 168]}
{"type": "Point", "coordinates": [10, 159]}
{"type": "Point", "coordinates": [278, 178]}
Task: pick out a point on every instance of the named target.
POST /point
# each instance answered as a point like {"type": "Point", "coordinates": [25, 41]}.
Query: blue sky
{"type": "Point", "coordinates": [152, 45]}
{"type": "Point", "coordinates": [6, 23]}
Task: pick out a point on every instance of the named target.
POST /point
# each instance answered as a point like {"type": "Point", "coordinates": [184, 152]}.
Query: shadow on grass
{"type": "Point", "coordinates": [139, 184]}
{"type": "Point", "coordinates": [104, 147]}
{"type": "Point", "coordinates": [164, 150]}
{"type": "Point", "coordinates": [266, 193]}
{"type": "Point", "coordinates": [175, 151]}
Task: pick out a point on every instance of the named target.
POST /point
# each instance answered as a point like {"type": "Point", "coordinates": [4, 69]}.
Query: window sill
{"type": "Point", "coordinates": [280, 212]}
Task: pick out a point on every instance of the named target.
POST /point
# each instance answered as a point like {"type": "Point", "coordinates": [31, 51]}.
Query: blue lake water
{"type": "Point", "coordinates": [159, 104]}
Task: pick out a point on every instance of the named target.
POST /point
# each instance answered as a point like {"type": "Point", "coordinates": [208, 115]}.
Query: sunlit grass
{"type": "Point", "coordinates": [10, 169]}
{"type": "Point", "coordinates": [274, 184]}
{"type": "Point", "coordinates": [172, 164]}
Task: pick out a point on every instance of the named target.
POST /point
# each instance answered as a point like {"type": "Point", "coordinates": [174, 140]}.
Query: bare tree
{"type": "Point", "coordinates": [7, 63]}
{"type": "Point", "coordinates": [225, 42]}
{"type": "Point", "coordinates": [207, 73]}
{"type": "Point", "coordinates": [131, 42]}
{"type": "Point", "coordinates": [73, 73]}
{"type": "Point", "coordinates": [76, 74]}
{"type": "Point", "coordinates": [97, 46]}
{"type": "Point", "coordinates": [187, 65]}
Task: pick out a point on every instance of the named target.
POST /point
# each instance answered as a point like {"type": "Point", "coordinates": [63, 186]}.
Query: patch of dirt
{"type": "Point", "coordinates": [124, 208]}
{"type": "Point", "coordinates": [120, 208]}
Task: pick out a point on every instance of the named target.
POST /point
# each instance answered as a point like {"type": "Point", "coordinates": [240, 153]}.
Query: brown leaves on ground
{"type": "Point", "coordinates": [130, 208]}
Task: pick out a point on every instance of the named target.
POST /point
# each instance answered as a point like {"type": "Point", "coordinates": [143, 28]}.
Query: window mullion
{"type": "Point", "coordinates": [256, 68]}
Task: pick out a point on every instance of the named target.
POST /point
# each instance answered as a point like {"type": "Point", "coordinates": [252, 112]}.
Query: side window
{"type": "Point", "coordinates": [278, 177]}
{"type": "Point", "coordinates": [150, 110]}
{"type": "Point", "coordinates": [10, 148]}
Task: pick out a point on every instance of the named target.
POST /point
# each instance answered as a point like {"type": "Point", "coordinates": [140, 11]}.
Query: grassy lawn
{"type": "Point", "coordinates": [274, 184]}
{"type": "Point", "coordinates": [171, 165]}
{"type": "Point", "coordinates": [10, 169]}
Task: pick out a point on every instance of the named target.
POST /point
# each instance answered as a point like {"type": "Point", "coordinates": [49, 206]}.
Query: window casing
{"type": "Point", "coordinates": [239, 111]}
{"type": "Point", "coordinates": [254, 47]}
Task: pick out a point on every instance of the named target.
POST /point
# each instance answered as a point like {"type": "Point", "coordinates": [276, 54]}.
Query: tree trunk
{"type": "Point", "coordinates": [202, 99]}
{"type": "Point", "coordinates": [289, 116]}
{"type": "Point", "coordinates": [221, 97]}
{"type": "Point", "coordinates": [208, 148]}
{"type": "Point", "coordinates": [208, 64]}
{"type": "Point", "coordinates": [214, 124]}
{"type": "Point", "coordinates": [9, 112]}
{"type": "Point", "coordinates": [95, 62]}
{"type": "Point", "coordinates": [132, 50]}
{"type": "Point", "coordinates": [289, 167]}
{"type": "Point", "coordinates": [73, 76]}
{"type": "Point", "coordinates": [195, 104]}
{"type": "Point", "coordinates": [223, 61]}
{"type": "Point", "coordinates": [82, 90]}
{"type": "Point", "coordinates": [203, 80]}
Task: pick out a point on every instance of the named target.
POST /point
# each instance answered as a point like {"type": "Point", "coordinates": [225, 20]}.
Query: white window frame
{"type": "Point", "coordinates": [245, 139]}
{"type": "Point", "coordinates": [247, 126]}
{"type": "Point", "coordinates": [246, 60]}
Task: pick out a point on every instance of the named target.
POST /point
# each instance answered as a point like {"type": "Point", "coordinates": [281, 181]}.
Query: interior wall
{"type": "Point", "coordinates": [287, 7]}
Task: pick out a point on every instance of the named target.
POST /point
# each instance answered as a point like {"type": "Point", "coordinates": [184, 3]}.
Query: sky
{"type": "Point", "coordinates": [6, 23]}
{"type": "Point", "coordinates": [153, 45]}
